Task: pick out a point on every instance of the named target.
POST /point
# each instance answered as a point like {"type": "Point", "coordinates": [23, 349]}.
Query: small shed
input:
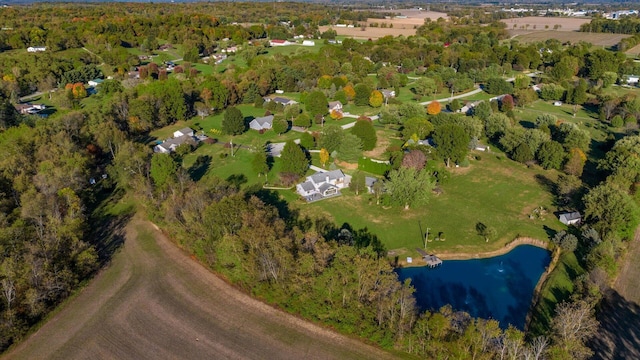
{"type": "Point", "coordinates": [570, 218]}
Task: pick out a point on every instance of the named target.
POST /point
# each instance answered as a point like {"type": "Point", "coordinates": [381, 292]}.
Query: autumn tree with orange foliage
{"type": "Point", "coordinates": [376, 99]}
{"type": "Point", "coordinates": [434, 108]}
{"type": "Point", "coordinates": [336, 115]}
{"type": "Point", "coordinates": [350, 92]}
{"type": "Point", "coordinates": [575, 164]}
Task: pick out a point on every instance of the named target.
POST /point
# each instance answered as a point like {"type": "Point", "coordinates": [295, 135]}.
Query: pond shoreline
{"type": "Point", "coordinates": [489, 254]}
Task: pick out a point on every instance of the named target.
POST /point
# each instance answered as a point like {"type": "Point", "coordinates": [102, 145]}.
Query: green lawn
{"type": "Point", "coordinates": [557, 288]}
{"type": "Point", "coordinates": [499, 193]}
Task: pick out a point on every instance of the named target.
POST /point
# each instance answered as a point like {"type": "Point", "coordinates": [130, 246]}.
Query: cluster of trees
{"type": "Point", "coordinates": [337, 275]}
{"type": "Point", "coordinates": [45, 204]}
{"type": "Point", "coordinates": [626, 25]}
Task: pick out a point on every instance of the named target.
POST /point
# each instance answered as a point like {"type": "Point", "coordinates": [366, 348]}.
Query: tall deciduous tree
{"type": "Point", "coordinates": [573, 325]}
{"type": "Point", "coordinates": [551, 155]}
{"type": "Point", "coordinates": [163, 169]}
{"type": "Point", "coordinates": [451, 142]}
{"type": "Point", "coordinates": [357, 183]}
{"type": "Point", "coordinates": [610, 209]}
{"type": "Point", "coordinates": [409, 187]}
{"type": "Point", "coordinates": [233, 121]}
{"type": "Point", "coordinates": [367, 133]}
{"type": "Point", "coordinates": [316, 103]}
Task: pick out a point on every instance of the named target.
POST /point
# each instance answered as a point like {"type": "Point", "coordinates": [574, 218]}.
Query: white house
{"type": "Point", "coordinates": [279, 43]}
{"type": "Point", "coordinates": [570, 218]}
{"type": "Point", "coordinates": [308, 43]}
{"type": "Point", "coordinates": [262, 123]}
{"type": "Point", "coordinates": [184, 131]}
{"type": "Point", "coordinates": [335, 106]}
{"type": "Point", "coordinates": [95, 82]}
{"type": "Point", "coordinates": [633, 79]}
{"type": "Point", "coordinates": [33, 49]}
{"type": "Point", "coordinates": [170, 145]}
{"type": "Point", "coordinates": [29, 109]}
{"type": "Point", "coordinates": [388, 93]}
{"type": "Point", "coordinates": [182, 136]}
{"type": "Point", "coordinates": [323, 184]}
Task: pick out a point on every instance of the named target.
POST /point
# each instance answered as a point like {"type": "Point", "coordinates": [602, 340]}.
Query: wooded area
{"type": "Point", "coordinates": [56, 171]}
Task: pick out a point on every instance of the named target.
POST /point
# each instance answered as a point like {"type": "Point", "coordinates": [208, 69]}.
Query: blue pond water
{"type": "Point", "coordinates": [498, 288]}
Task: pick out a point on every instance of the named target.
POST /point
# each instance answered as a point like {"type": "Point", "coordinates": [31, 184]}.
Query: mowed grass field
{"type": "Point", "coordinates": [156, 302]}
{"type": "Point", "coordinates": [494, 190]}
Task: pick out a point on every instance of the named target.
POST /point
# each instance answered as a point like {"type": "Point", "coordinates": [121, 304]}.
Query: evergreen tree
{"type": "Point", "coordinates": [259, 163]}
{"type": "Point", "coordinates": [362, 94]}
{"type": "Point", "coordinates": [293, 159]}
{"type": "Point", "coordinates": [350, 148]}
{"type": "Point", "coordinates": [233, 121]}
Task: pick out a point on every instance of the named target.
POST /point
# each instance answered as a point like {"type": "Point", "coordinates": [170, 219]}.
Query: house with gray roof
{"type": "Point", "coordinates": [335, 106]}
{"type": "Point", "coordinates": [183, 136]}
{"type": "Point", "coordinates": [170, 145]}
{"type": "Point", "coordinates": [369, 182]}
{"type": "Point", "coordinates": [570, 218]}
{"type": "Point", "coordinates": [323, 185]}
{"type": "Point", "coordinates": [261, 123]}
{"type": "Point", "coordinates": [184, 131]}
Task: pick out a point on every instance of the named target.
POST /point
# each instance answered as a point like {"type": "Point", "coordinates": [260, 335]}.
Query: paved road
{"type": "Point", "coordinates": [155, 302]}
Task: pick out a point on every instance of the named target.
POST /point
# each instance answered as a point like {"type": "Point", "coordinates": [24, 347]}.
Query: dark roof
{"type": "Point", "coordinates": [281, 100]}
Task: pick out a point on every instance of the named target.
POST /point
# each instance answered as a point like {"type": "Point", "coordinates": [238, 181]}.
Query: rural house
{"type": "Point", "coordinates": [261, 123]}
{"type": "Point", "coordinates": [95, 82]}
{"type": "Point", "coordinates": [29, 109]}
{"type": "Point", "coordinates": [335, 106]}
{"type": "Point", "coordinates": [322, 185]}
{"type": "Point", "coordinates": [369, 182]}
{"type": "Point", "coordinates": [182, 136]}
{"type": "Point", "coordinates": [276, 42]}
{"type": "Point", "coordinates": [33, 49]}
{"type": "Point", "coordinates": [388, 93]}
{"type": "Point", "coordinates": [280, 100]}
{"type": "Point", "coordinates": [570, 218]}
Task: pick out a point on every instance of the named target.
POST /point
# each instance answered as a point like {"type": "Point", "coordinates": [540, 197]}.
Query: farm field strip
{"type": "Point", "coordinates": [154, 301]}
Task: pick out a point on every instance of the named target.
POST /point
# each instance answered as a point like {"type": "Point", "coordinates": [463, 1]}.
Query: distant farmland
{"type": "Point", "coordinates": [545, 23]}
{"type": "Point", "coordinates": [405, 26]}
{"type": "Point", "coordinates": [597, 39]}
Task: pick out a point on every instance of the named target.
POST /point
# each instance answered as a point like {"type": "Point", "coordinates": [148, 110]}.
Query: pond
{"type": "Point", "coordinates": [498, 288]}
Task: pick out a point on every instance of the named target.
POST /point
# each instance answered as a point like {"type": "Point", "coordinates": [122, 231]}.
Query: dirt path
{"type": "Point", "coordinates": [154, 302]}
